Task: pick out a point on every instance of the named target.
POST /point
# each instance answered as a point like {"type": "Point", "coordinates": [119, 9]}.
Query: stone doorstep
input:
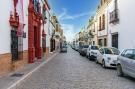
{"type": "Point", "coordinates": [9, 80]}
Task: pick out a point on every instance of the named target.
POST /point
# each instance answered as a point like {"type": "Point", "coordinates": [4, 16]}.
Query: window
{"type": "Point", "coordinates": [93, 42]}
{"type": "Point", "coordinates": [130, 54]}
{"type": "Point", "coordinates": [101, 2]}
{"type": "Point", "coordinates": [85, 46]}
{"type": "Point", "coordinates": [100, 23]}
{"type": "Point", "coordinates": [94, 47]}
{"type": "Point", "coordinates": [134, 54]}
{"type": "Point", "coordinates": [123, 53]}
{"type": "Point", "coordinates": [89, 48]}
{"type": "Point", "coordinates": [103, 22]}
{"type": "Point", "coordinates": [115, 51]}
{"type": "Point", "coordinates": [57, 28]}
{"type": "Point", "coordinates": [16, 45]}
{"type": "Point", "coordinates": [44, 12]}
{"type": "Point", "coordinates": [108, 51]}
{"type": "Point", "coordinates": [100, 42]}
{"type": "Point", "coordinates": [35, 5]}
{"type": "Point", "coordinates": [114, 17]}
{"type": "Point", "coordinates": [105, 42]}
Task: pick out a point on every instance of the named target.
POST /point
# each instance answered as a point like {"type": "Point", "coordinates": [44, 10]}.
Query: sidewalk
{"type": "Point", "coordinates": [11, 80]}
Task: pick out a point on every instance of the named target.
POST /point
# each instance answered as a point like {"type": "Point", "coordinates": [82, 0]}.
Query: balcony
{"type": "Point", "coordinates": [114, 17]}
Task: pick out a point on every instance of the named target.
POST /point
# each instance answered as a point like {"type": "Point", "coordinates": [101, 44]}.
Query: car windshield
{"type": "Point", "coordinates": [115, 51]}
{"type": "Point", "coordinates": [64, 46]}
{"type": "Point", "coordinates": [134, 54]}
{"type": "Point", "coordinates": [94, 47]}
{"type": "Point", "coordinates": [108, 51]}
{"type": "Point", "coordinates": [85, 46]}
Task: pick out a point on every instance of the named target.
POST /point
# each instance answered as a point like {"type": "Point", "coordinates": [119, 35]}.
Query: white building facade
{"type": "Point", "coordinates": [121, 21]}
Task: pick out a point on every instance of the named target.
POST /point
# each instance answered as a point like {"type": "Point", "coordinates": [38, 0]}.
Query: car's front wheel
{"type": "Point", "coordinates": [96, 60]}
{"type": "Point", "coordinates": [119, 70]}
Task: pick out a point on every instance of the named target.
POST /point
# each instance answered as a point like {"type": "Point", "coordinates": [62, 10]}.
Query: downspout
{"type": "Point", "coordinates": [107, 25]}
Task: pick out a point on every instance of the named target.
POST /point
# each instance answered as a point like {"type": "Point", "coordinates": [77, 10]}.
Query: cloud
{"type": "Point", "coordinates": [68, 31]}
{"type": "Point", "coordinates": [64, 15]}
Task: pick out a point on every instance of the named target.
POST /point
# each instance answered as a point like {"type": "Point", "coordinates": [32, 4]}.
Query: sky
{"type": "Point", "coordinates": [73, 14]}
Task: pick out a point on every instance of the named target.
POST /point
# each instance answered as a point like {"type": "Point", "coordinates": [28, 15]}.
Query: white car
{"type": "Point", "coordinates": [107, 56]}
{"type": "Point", "coordinates": [92, 52]}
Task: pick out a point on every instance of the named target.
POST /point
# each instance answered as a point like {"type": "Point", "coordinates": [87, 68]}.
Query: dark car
{"type": "Point", "coordinates": [63, 48]}
{"type": "Point", "coordinates": [83, 50]}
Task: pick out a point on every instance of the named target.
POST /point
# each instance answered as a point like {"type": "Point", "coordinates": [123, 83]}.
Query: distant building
{"type": "Point", "coordinates": [102, 23]}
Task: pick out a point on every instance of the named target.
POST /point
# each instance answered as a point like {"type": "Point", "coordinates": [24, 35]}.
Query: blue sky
{"type": "Point", "coordinates": [73, 14]}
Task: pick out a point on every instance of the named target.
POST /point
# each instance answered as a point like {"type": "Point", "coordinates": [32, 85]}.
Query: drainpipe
{"type": "Point", "coordinates": [107, 25]}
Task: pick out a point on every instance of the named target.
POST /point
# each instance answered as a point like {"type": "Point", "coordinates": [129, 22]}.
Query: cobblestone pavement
{"type": "Point", "coordinates": [72, 71]}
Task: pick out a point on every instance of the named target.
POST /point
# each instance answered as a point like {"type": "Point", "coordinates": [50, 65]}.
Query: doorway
{"type": "Point", "coordinates": [115, 40]}
{"type": "Point", "coordinates": [14, 45]}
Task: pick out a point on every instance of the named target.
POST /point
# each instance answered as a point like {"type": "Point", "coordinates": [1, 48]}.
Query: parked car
{"type": "Point", "coordinates": [126, 63]}
{"type": "Point", "coordinates": [107, 56]}
{"type": "Point", "coordinates": [83, 50]}
{"type": "Point", "coordinates": [76, 47]}
{"type": "Point", "coordinates": [63, 48]}
{"type": "Point", "coordinates": [73, 46]}
{"type": "Point", "coordinates": [92, 52]}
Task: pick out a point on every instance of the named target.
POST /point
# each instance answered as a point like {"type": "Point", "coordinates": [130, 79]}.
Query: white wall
{"type": "Point", "coordinates": [47, 28]}
{"type": "Point", "coordinates": [126, 26]}
{"type": "Point", "coordinates": [127, 21]}
{"type": "Point", "coordinates": [112, 28]}
{"type": "Point", "coordinates": [5, 28]}
{"type": "Point", "coordinates": [25, 8]}
{"type": "Point", "coordinates": [5, 7]}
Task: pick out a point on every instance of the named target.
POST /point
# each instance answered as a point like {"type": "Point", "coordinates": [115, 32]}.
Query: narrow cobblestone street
{"type": "Point", "coordinates": [72, 71]}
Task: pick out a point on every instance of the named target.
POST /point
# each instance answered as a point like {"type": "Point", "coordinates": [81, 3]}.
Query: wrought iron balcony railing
{"type": "Point", "coordinates": [114, 18]}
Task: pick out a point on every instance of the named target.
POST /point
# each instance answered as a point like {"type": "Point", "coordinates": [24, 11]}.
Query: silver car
{"type": "Point", "coordinates": [83, 50]}
{"type": "Point", "coordinates": [126, 63]}
{"type": "Point", "coordinates": [63, 48]}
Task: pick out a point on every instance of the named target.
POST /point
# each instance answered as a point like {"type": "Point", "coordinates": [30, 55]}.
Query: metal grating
{"type": "Point", "coordinates": [17, 75]}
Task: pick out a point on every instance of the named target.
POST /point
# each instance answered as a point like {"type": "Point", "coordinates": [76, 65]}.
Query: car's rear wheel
{"type": "Point", "coordinates": [86, 56]}
{"type": "Point", "coordinates": [89, 57]}
{"type": "Point", "coordinates": [119, 70]}
{"type": "Point", "coordinates": [103, 64]}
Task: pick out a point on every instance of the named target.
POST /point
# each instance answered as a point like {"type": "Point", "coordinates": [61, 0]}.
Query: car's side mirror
{"type": "Point", "coordinates": [101, 52]}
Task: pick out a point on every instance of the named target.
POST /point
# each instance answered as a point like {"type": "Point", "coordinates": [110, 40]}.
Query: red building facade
{"type": "Point", "coordinates": [34, 30]}
{"type": "Point", "coordinates": [36, 19]}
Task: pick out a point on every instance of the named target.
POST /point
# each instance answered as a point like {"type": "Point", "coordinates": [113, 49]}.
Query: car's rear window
{"type": "Point", "coordinates": [115, 51]}
{"type": "Point", "coordinates": [108, 51]}
{"type": "Point", "coordinates": [85, 46]}
{"type": "Point", "coordinates": [94, 47]}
